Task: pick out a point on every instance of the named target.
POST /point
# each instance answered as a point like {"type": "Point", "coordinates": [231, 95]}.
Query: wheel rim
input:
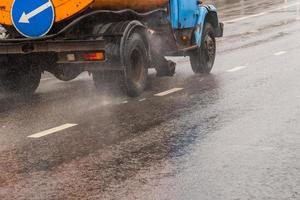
{"type": "Point", "coordinates": [209, 50]}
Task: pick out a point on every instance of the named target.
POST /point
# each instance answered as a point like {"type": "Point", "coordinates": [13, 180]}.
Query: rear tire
{"type": "Point", "coordinates": [133, 52]}
{"type": "Point", "coordinates": [22, 80]}
{"type": "Point", "coordinates": [136, 60]}
{"type": "Point", "coordinates": [203, 58]}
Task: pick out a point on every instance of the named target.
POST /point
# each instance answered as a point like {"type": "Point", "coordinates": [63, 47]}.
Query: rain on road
{"type": "Point", "coordinates": [233, 134]}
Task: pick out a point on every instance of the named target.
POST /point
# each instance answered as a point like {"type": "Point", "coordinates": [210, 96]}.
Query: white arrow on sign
{"type": "Point", "coordinates": [26, 17]}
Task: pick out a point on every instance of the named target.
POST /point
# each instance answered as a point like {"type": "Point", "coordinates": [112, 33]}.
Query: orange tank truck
{"type": "Point", "coordinates": [67, 8]}
{"type": "Point", "coordinates": [115, 41]}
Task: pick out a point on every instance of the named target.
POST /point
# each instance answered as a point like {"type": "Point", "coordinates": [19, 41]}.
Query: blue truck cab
{"type": "Point", "coordinates": [195, 27]}
{"type": "Point", "coordinates": [193, 14]}
{"type": "Point", "coordinates": [115, 47]}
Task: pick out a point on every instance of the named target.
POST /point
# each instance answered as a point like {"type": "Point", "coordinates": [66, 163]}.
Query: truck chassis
{"type": "Point", "coordinates": [116, 47]}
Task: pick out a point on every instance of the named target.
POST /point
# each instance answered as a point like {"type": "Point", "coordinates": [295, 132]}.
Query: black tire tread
{"type": "Point", "coordinates": [198, 61]}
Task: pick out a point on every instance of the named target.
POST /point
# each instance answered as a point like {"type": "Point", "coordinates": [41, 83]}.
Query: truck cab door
{"type": "Point", "coordinates": [184, 13]}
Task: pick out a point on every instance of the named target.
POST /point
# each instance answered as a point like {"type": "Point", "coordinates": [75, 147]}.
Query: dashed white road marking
{"type": "Point", "coordinates": [51, 131]}
{"type": "Point", "coordinates": [144, 99]}
{"type": "Point", "coordinates": [246, 17]}
{"type": "Point", "coordinates": [46, 79]}
{"type": "Point", "coordinates": [168, 92]}
{"type": "Point", "coordinates": [236, 69]}
{"type": "Point", "coordinates": [279, 53]}
{"type": "Point", "coordinates": [262, 13]}
{"type": "Point", "coordinates": [124, 102]}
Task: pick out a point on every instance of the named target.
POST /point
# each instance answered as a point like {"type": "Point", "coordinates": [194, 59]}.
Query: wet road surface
{"type": "Point", "coordinates": [231, 135]}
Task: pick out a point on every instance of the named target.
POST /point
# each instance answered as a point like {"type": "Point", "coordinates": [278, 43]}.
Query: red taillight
{"type": "Point", "coordinates": [97, 56]}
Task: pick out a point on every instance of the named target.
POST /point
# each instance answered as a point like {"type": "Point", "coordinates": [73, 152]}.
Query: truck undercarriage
{"type": "Point", "coordinates": [123, 43]}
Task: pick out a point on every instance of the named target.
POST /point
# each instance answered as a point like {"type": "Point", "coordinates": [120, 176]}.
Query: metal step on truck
{"type": "Point", "coordinates": [115, 41]}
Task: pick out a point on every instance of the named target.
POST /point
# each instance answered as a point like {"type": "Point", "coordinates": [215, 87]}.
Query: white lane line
{"type": "Point", "coordinates": [262, 13]}
{"type": "Point", "coordinates": [168, 92]}
{"type": "Point", "coordinates": [279, 53]}
{"type": "Point", "coordinates": [236, 69]}
{"type": "Point", "coordinates": [51, 131]}
{"type": "Point", "coordinates": [46, 79]}
{"type": "Point", "coordinates": [144, 99]}
{"type": "Point", "coordinates": [124, 102]}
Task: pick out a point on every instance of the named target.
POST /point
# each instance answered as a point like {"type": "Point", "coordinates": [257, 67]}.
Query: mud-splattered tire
{"type": "Point", "coordinates": [136, 60]}
{"type": "Point", "coordinates": [21, 80]}
{"type": "Point", "coordinates": [203, 58]}
{"type": "Point", "coordinates": [133, 52]}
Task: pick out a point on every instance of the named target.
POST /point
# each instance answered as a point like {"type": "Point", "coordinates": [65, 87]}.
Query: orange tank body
{"type": "Point", "coordinates": [68, 8]}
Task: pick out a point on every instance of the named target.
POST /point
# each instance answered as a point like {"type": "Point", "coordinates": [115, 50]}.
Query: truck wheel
{"type": "Point", "coordinates": [202, 59]}
{"type": "Point", "coordinates": [24, 80]}
{"type": "Point", "coordinates": [136, 60]}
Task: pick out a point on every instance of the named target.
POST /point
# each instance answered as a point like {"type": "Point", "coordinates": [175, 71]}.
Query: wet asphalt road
{"type": "Point", "coordinates": [234, 134]}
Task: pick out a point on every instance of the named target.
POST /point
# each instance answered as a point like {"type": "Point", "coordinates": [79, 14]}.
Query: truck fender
{"type": "Point", "coordinates": [132, 26]}
{"type": "Point", "coordinates": [206, 13]}
{"type": "Point", "coordinates": [121, 31]}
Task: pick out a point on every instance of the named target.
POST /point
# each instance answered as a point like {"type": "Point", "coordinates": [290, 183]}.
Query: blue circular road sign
{"type": "Point", "coordinates": [33, 18]}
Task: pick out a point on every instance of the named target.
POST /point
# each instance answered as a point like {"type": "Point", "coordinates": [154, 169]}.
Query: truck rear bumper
{"type": "Point", "coordinates": [61, 51]}
{"type": "Point", "coordinates": [56, 46]}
